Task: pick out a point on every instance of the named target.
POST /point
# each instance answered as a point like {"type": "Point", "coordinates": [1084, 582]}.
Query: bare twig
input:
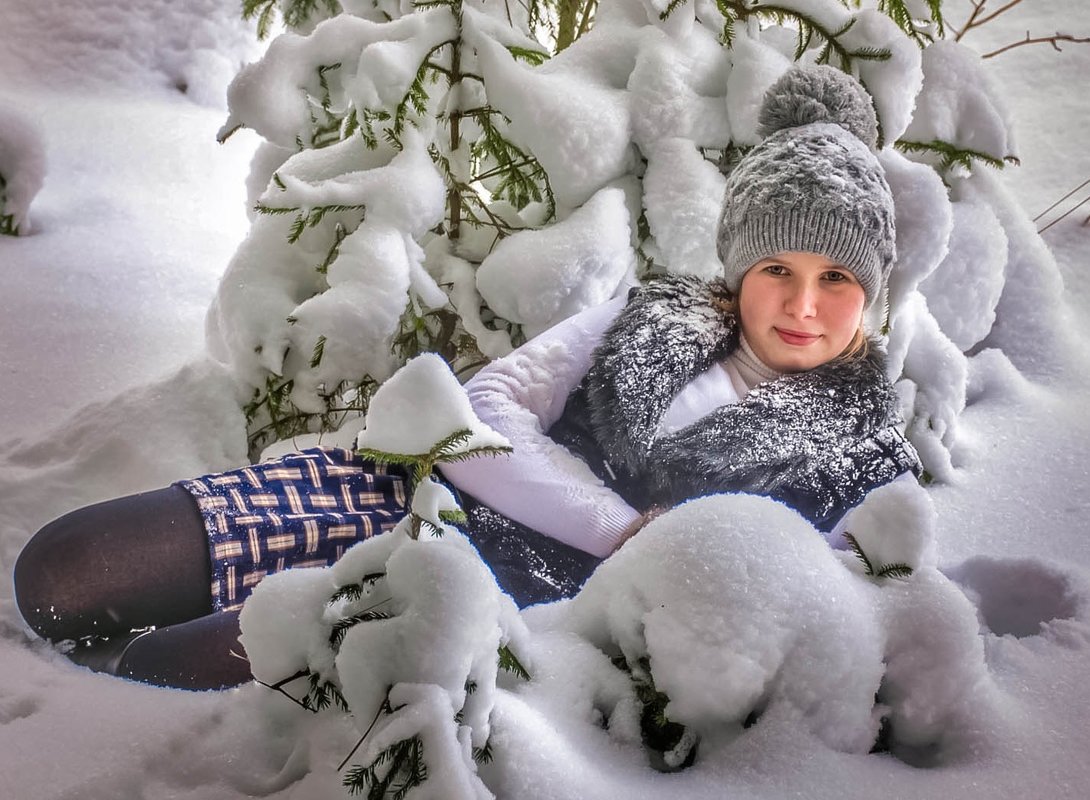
{"type": "Point", "coordinates": [1065, 215]}
{"type": "Point", "coordinates": [378, 713]}
{"type": "Point", "coordinates": [978, 9]}
{"type": "Point", "coordinates": [995, 14]}
{"type": "Point", "coordinates": [279, 687]}
{"type": "Point", "coordinates": [1059, 37]}
{"type": "Point", "coordinates": [1077, 188]}
{"type": "Point", "coordinates": [978, 6]}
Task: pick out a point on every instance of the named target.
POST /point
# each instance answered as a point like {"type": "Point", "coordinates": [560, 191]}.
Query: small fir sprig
{"type": "Point", "coordinates": [450, 449]}
{"type": "Point", "coordinates": [945, 156]}
{"type": "Point", "coordinates": [873, 569]}
{"type": "Point", "coordinates": [296, 13]}
{"type": "Point", "coordinates": [7, 221]}
{"type": "Point", "coordinates": [659, 733]}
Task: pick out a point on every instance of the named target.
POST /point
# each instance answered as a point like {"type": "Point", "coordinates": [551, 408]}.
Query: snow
{"type": "Point", "coordinates": [107, 391]}
{"type": "Point", "coordinates": [391, 426]}
{"type": "Point", "coordinates": [964, 293]}
{"type": "Point", "coordinates": [683, 194]}
{"type": "Point", "coordinates": [593, 148]}
{"type": "Point", "coordinates": [538, 278]}
{"type": "Point", "coordinates": [799, 632]}
{"type": "Point", "coordinates": [975, 119]}
{"type": "Point", "coordinates": [22, 169]}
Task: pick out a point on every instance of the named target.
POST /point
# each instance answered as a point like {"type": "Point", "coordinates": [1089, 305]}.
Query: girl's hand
{"type": "Point", "coordinates": [637, 525]}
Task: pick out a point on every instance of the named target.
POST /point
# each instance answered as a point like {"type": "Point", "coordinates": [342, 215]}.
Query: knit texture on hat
{"type": "Point", "coordinates": [814, 184]}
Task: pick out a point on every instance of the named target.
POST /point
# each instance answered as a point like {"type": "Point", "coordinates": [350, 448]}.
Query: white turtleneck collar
{"type": "Point", "coordinates": [750, 369]}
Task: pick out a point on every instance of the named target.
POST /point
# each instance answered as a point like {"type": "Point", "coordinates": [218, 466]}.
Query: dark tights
{"type": "Point", "coordinates": [136, 562]}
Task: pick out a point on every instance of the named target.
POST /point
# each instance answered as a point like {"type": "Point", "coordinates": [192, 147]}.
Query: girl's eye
{"type": "Point", "coordinates": [837, 277]}
{"type": "Point", "coordinates": [776, 269]}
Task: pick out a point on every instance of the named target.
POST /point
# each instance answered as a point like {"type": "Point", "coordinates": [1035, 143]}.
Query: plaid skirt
{"type": "Point", "coordinates": [302, 510]}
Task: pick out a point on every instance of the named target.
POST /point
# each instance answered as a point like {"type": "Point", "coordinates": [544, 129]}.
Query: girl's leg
{"type": "Point", "coordinates": [201, 654]}
{"type": "Point", "coordinates": [135, 562]}
{"type": "Point", "coordinates": [107, 569]}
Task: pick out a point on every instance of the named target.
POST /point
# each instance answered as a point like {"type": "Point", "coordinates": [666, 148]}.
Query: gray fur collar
{"type": "Point", "coordinates": [670, 332]}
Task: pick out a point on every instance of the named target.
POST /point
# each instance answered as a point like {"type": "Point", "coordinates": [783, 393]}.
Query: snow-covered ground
{"type": "Point", "coordinates": [104, 301]}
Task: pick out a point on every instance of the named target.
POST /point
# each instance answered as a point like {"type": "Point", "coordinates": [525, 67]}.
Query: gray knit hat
{"type": "Point", "coordinates": [814, 184]}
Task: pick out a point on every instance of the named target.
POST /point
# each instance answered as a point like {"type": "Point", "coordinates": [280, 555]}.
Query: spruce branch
{"type": "Point", "coordinates": [905, 19]}
{"type": "Point", "coordinates": [319, 351]}
{"type": "Point", "coordinates": [896, 570]}
{"type": "Point", "coordinates": [307, 217]}
{"type": "Point", "coordinates": [323, 694]}
{"type": "Point", "coordinates": [405, 770]}
{"type": "Point", "coordinates": [522, 178]}
{"type": "Point", "coordinates": [7, 221]}
{"type": "Point", "coordinates": [509, 662]}
{"type": "Point", "coordinates": [226, 133]}
{"type": "Point", "coordinates": [857, 549]}
{"type": "Point", "coordinates": [342, 626]}
{"type": "Point", "coordinates": [279, 688]}
{"type": "Point", "coordinates": [355, 591]}
{"type": "Point", "coordinates": [484, 754]}
{"type": "Point", "coordinates": [320, 694]}
{"type": "Point", "coordinates": [297, 13]}
{"type": "Point", "coordinates": [808, 26]}
{"type": "Point", "coordinates": [340, 232]}
{"type": "Point", "coordinates": [657, 731]}
{"type": "Point", "coordinates": [673, 6]}
{"type": "Point", "coordinates": [951, 155]}
{"type": "Point", "coordinates": [534, 58]}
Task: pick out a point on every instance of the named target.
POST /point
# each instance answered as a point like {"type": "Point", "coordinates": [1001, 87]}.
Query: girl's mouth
{"type": "Point", "coordinates": [797, 337]}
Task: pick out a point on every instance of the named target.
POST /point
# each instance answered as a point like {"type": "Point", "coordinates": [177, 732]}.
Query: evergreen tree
{"type": "Point", "coordinates": [436, 182]}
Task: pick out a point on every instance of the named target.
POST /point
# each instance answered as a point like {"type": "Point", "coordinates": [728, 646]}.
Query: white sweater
{"type": "Point", "coordinates": [540, 484]}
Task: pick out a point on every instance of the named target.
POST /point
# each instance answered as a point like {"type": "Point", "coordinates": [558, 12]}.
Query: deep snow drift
{"type": "Point", "coordinates": [140, 213]}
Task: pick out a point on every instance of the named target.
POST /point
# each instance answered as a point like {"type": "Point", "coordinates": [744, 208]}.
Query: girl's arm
{"type": "Point", "coordinates": [541, 484]}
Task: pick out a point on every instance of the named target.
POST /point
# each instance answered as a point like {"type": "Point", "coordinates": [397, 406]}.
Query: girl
{"type": "Point", "coordinates": [761, 381]}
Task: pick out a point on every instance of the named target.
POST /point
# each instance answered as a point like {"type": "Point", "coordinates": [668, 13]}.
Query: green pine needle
{"type": "Point", "coordinates": [7, 221]}
{"type": "Point", "coordinates": [355, 591]}
{"type": "Point", "coordinates": [856, 548]}
{"type": "Point", "coordinates": [342, 626]}
{"type": "Point", "coordinates": [419, 523]}
{"type": "Point", "coordinates": [322, 695]}
{"type": "Point", "coordinates": [509, 663]}
{"type": "Point", "coordinates": [670, 9]}
{"type": "Point", "coordinates": [872, 54]}
{"type": "Point", "coordinates": [319, 351]}
{"type": "Point", "coordinates": [484, 755]}
{"type": "Point", "coordinates": [533, 57]}
{"type": "Point", "coordinates": [898, 570]}
{"type": "Point", "coordinates": [950, 155]}
{"type": "Point", "coordinates": [453, 517]}
{"type": "Point", "coordinates": [895, 571]}
{"type": "Point", "coordinates": [450, 443]}
{"type": "Point", "coordinates": [404, 770]}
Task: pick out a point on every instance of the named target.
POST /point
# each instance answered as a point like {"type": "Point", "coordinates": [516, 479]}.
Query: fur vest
{"type": "Point", "coordinates": [816, 440]}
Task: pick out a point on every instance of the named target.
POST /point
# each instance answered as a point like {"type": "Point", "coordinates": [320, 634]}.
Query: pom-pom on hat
{"type": "Point", "coordinates": [814, 184]}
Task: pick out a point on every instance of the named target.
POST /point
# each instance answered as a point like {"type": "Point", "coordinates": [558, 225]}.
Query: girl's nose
{"type": "Point", "coordinates": [801, 300]}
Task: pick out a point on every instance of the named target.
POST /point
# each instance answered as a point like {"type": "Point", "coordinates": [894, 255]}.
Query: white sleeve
{"type": "Point", "coordinates": [541, 484]}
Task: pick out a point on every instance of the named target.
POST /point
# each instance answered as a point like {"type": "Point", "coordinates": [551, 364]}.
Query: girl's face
{"type": "Point", "coordinates": [799, 310]}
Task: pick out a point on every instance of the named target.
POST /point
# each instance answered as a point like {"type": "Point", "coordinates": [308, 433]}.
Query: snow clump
{"type": "Point", "coordinates": [22, 169]}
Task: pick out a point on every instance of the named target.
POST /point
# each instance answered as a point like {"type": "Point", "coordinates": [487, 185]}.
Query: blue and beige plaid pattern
{"type": "Point", "coordinates": [302, 510]}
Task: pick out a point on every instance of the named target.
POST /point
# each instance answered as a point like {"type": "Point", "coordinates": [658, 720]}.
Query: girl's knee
{"type": "Point", "coordinates": [50, 560]}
